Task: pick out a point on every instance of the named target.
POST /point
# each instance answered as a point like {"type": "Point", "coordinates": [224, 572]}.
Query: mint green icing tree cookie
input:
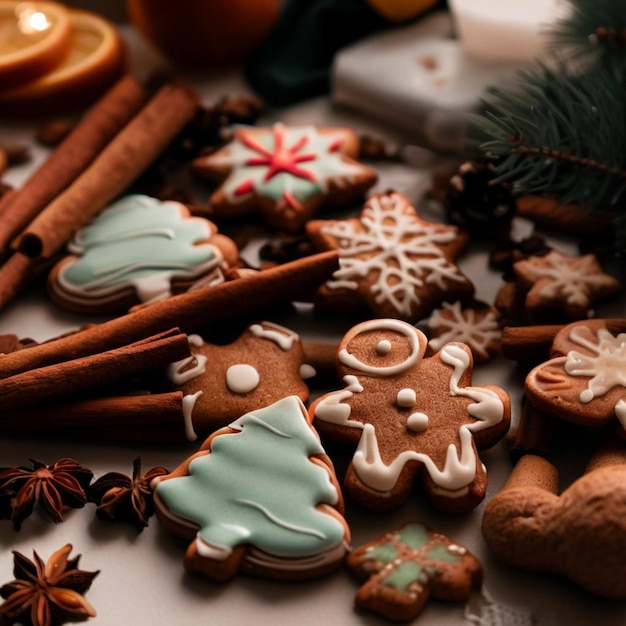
{"type": "Point", "coordinates": [262, 495]}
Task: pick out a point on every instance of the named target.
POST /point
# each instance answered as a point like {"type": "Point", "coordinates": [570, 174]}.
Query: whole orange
{"type": "Point", "coordinates": [201, 33]}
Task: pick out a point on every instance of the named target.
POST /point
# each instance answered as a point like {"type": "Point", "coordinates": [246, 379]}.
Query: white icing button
{"type": "Point", "coordinates": [417, 422]}
{"type": "Point", "coordinates": [383, 347]}
{"type": "Point", "coordinates": [241, 378]}
{"type": "Point", "coordinates": [307, 371]}
{"type": "Point", "coordinates": [406, 398]}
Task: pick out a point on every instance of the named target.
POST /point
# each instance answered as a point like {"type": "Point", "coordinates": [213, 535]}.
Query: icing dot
{"type": "Point", "coordinates": [307, 371]}
{"type": "Point", "coordinates": [417, 422]}
{"type": "Point", "coordinates": [406, 398]}
{"type": "Point", "coordinates": [241, 378]}
{"type": "Point", "coordinates": [383, 347]}
{"type": "Point", "coordinates": [586, 396]}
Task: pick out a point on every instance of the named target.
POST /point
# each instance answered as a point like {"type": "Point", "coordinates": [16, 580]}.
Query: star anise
{"type": "Point", "coordinates": [55, 487]}
{"type": "Point", "coordinates": [122, 498]}
{"type": "Point", "coordinates": [46, 594]}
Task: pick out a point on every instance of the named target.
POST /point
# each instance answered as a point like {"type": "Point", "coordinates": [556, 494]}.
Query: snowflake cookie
{"type": "Point", "coordinates": [555, 288]}
{"type": "Point", "coordinates": [475, 325]}
{"type": "Point", "coordinates": [411, 415]}
{"type": "Point", "coordinates": [585, 380]}
{"type": "Point", "coordinates": [403, 568]}
{"type": "Point", "coordinates": [222, 382]}
{"type": "Point", "coordinates": [285, 173]}
{"type": "Point", "coordinates": [260, 496]}
{"type": "Point", "coordinates": [390, 260]}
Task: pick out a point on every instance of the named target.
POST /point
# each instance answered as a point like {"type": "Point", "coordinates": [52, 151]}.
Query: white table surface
{"type": "Point", "coordinates": [141, 578]}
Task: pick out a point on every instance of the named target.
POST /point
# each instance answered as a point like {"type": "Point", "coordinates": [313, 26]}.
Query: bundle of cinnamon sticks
{"type": "Point", "coordinates": [109, 148]}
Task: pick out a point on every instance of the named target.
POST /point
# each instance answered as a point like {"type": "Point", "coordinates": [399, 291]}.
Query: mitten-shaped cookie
{"type": "Point", "coordinates": [580, 534]}
{"type": "Point", "coordinates": [411, 416]}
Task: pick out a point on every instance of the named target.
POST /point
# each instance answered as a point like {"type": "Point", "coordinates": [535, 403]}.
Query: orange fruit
{"type": "Point", "coordinates": [95, 59]}
{"type": "Point", "coordinates": [204, 33]}
{"type": "Point", "coordinates": [34, 38]}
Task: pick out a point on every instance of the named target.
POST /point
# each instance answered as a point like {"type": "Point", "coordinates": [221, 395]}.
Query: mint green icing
{"type": "Point", "coordinates": [142, 242]}
{"type": "Point", "coordinates": [385, 552]}
{"type": "Point", "coordinates": [259, 487]}
{"type": "Point", "coordinates": [413, 535]}
{"type": "Point", "coordinates": [441, 553]}
{"type": "Point", "coordinates": [403, 575]}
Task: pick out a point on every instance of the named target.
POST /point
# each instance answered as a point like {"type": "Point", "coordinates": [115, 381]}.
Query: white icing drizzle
{"type": "Point", "coordinates": [394, 245]}
{"type": "Point", "coordinates": [406, 398]}
{"type": "Point", "coordinates": [209, 551]}
{"type": "Point", "coordinates": [620, 412]}
{"type": "Point", "coordinates": [464, 327]}
{"type": "Point", "coordinates": [189, 403]}
{"type": "Point", "coordinates": [181, 372]}
{"type": "Point", "coordinates": [332, 407]}
{"type": "Point", "coordinates": [242, 378]}
{"type": "Point", "coordinates": [606, 365]}
{"type": "Point", "coordinates": [281, 336]}
{"type": "Point", "coordinates": [411, 333]}
{"type": "Point", "coordinates": [307, 371]}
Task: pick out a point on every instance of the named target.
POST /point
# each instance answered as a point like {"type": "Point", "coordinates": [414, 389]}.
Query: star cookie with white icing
{"type": "Point", "coordinates": [222, 382]}
{"type": "Point", "coordinates": [584, 381]}
{"type": "Point", "coordinates": [412, 418]}
{"type": "Point", "coordinates": [391, 262]}
{"type": "Point", "coordinates": [284, 173]}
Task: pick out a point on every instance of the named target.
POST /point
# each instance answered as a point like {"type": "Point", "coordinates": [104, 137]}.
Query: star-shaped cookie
{"type": "Point", "coordinates": [411, 416]}
{"type": "Point", "coordinates": [391, 261]}
{"type": "Point", "coordinates": [285, 173]}
{"type": "Point", "coordinates": [557, 281]}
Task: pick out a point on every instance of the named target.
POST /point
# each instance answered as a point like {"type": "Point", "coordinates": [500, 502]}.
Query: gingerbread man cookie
{"type": "Point", "coordinates": [405, 567]}
{"type": "Point", "coordinates": [222, 382]}
{"type": "Point", "coordinates": [137, 251]}
{"type": "Point", "coordinates": [411, 415]}
{"type": "Point", "coordinates": [286, 173]}
{"type": "Point", "coordinates": [260, 496]}
{"type": "Point", "coordinates": [585, 380]}
{"type": "Point", "coordinates": [391, 261]}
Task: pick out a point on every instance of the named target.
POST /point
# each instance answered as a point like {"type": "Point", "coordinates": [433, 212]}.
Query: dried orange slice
{"type": "Point", "coordinates": [34, 38]}
{"type": "Point", "coordinates": [94, 61]}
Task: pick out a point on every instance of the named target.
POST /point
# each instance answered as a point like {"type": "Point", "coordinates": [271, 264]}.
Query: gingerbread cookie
{"type": "Point", "coordinates": [580, 533]}
{"type": "Point", "coordinates": [585, 380]}
{"type": "Point", "coordinates": [555, 288]}
{"type": "Point", "coordinates": [139, 250]}
{"type": "Point", "coordinates": [405, 567]}
{"type": "Point", "coordinates": [475, 325]}
{"type": "Point", "coordinates": [260, 496]}
{"type": "Point", "coordinates": [391, 261]}
{"type": "Point", "coordinates": [285, 173]}
{"type": "Point", "coordinates": [411, 416]}
{"type": "Point", "coordinates": [222, 382]}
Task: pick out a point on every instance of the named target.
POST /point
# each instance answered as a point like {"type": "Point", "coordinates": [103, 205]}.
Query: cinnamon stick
{"type": "Point", "coordinates": [73, 155]}
{"type": "Point", "coordinates": [193, 312]}
{"type": "Point", "coordinates": [16, 273]}
{"type": "Point", "coordinates": [107, 417]}
{"type": "Point", "coordinates": [533, 343]}
{"type": "Point", "coordinates": [64, 379]}
{"type": "Point", "coordinates": [126, 156]}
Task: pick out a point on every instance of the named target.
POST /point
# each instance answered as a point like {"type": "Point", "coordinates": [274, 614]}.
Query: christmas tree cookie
{"type": "Point", "coordinates": [260, 496]}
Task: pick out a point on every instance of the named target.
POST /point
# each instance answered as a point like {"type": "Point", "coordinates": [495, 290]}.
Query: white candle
{"type": "Point", "coordinates": [505, 30]}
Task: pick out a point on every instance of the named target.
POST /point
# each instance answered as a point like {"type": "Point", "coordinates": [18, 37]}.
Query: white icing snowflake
{"type": "Point", "coordinates": [604, 360]}
{"type": "Point", "coordinates": [402, 251]}
{"type": "Point", "coordinates": [465, 326]}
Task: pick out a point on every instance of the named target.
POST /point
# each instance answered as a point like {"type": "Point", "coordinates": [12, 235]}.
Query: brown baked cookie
{"type": "Point", "coordinates": [405, 567]}
{"type": "Point", "coordinates": [285, 173]}
{"type": "Point", "coordinates": [555, 288]}
{"type": "Point", "coordinates": [580, 534]}
{"type": "Point", "coordinates": [391, 261]}
{"type": "Point", "coordinates": [411, 416]}
{"type": "Point", "coordinates": [476, 325]}
{"type": "Point", "coordinates": [585, 380]}
{"type": "Point", "coordinates": [136, 251]}
{"type": "Point", "coordinates": [229, 499]}
{"type": "Point", "coordinates": [222, 382]}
